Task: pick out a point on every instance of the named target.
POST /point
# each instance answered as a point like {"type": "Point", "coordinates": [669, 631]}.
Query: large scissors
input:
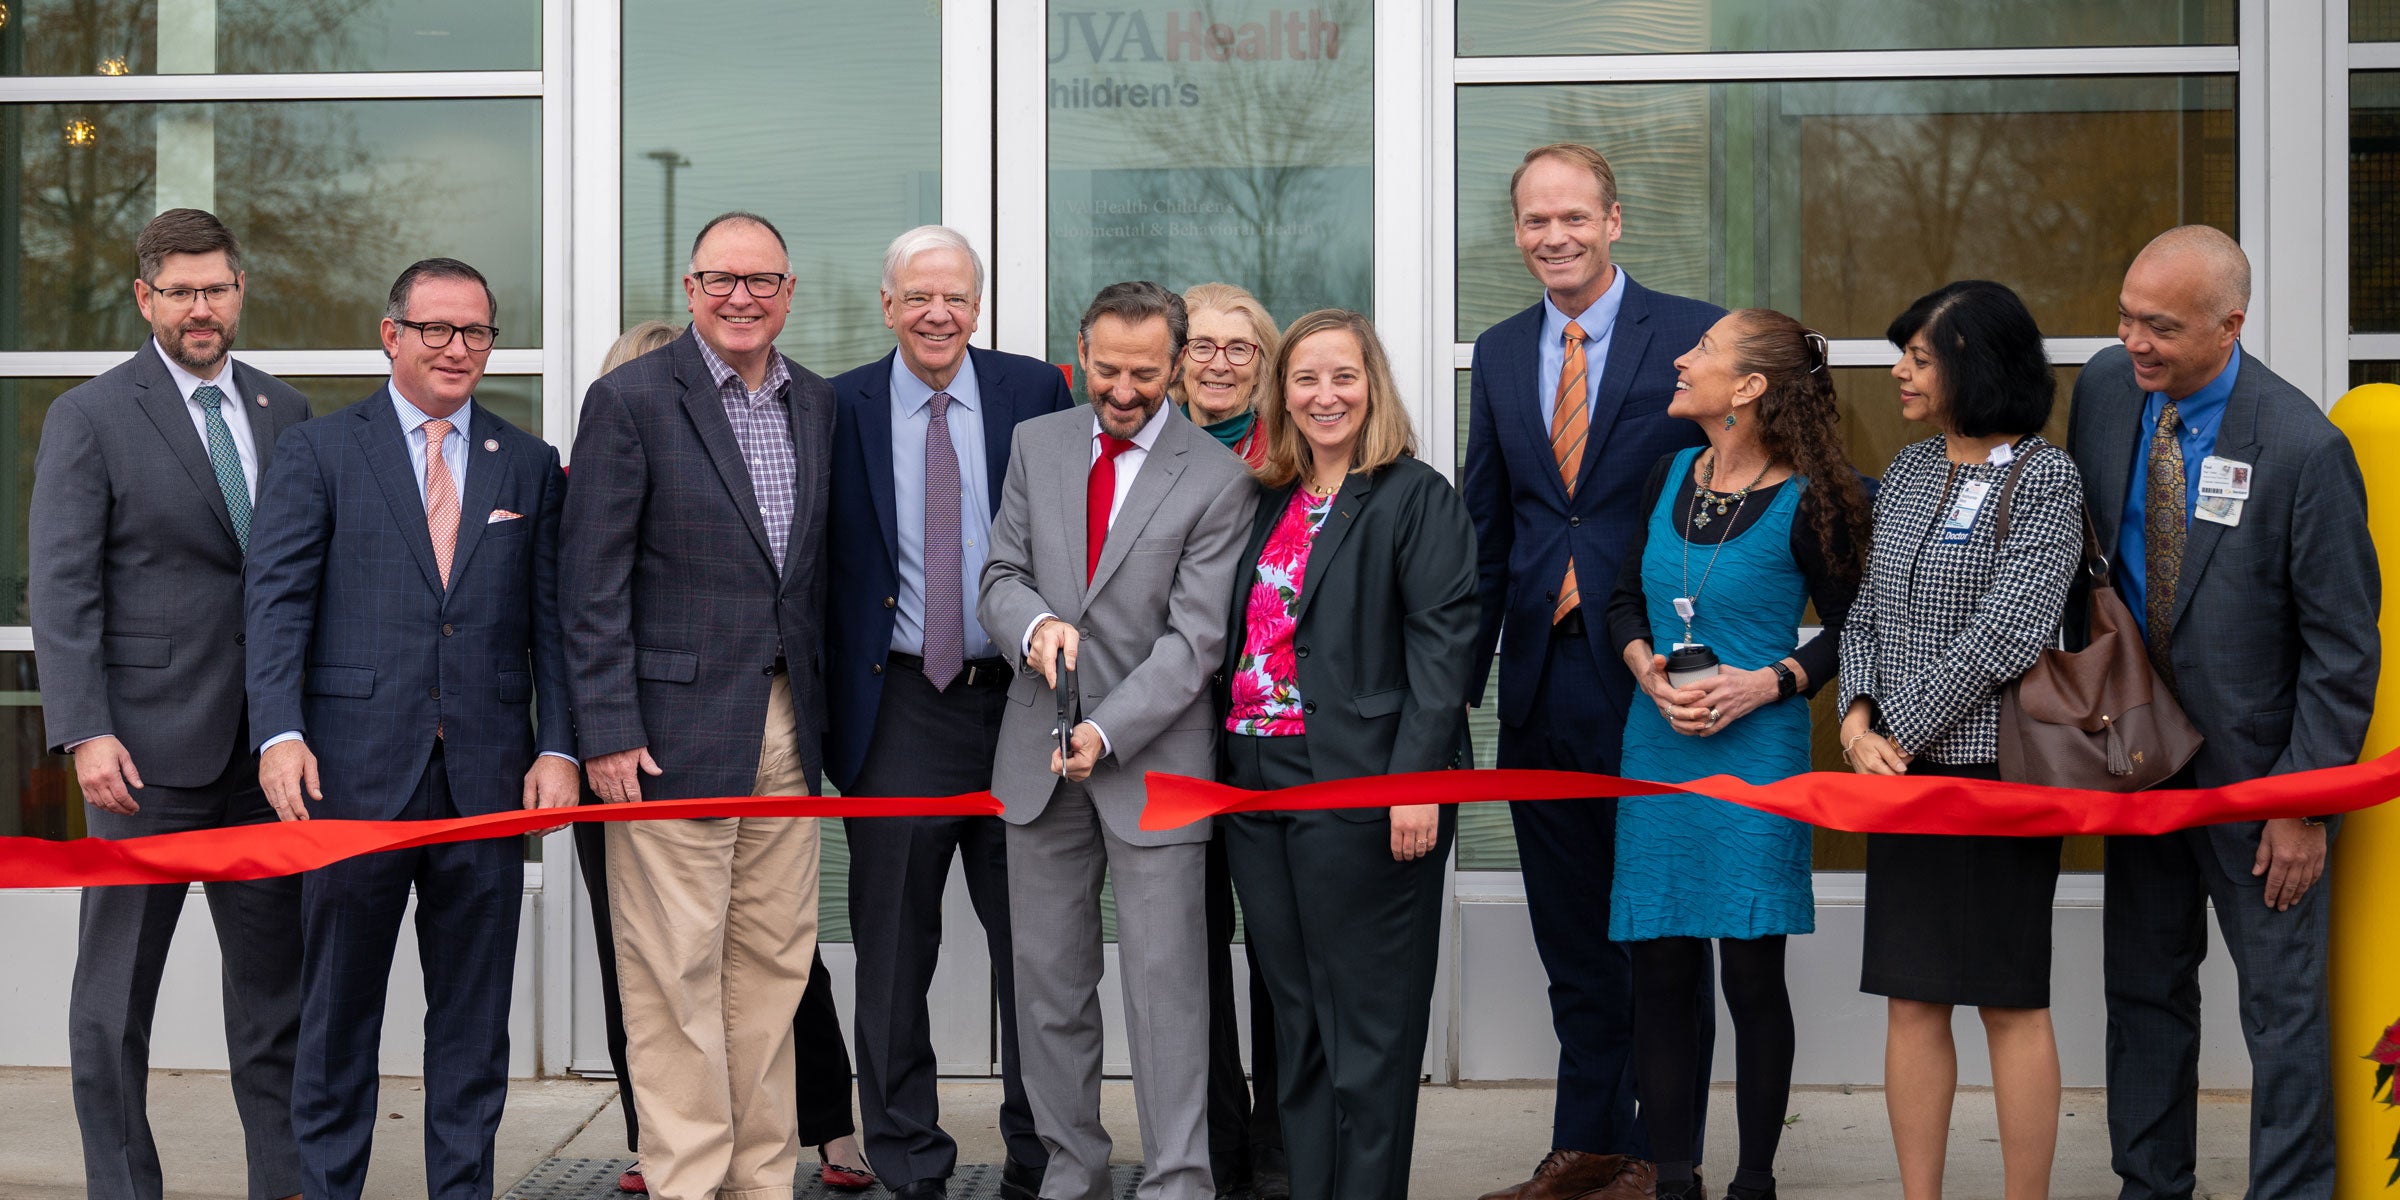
{"type": "Point", "coordinates": [1070, 714]}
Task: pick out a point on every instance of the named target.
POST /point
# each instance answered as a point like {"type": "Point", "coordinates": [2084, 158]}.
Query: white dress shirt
{"type": "Point", "coordinates": [237, 422]}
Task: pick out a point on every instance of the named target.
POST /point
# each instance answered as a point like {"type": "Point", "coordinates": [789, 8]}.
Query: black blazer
{"type": "Point", "coordinates": [863, 542]}
{"type": "Point", "coordinates": [675, 614]}
{"type": "Point", "coordinates": [1385, 642]}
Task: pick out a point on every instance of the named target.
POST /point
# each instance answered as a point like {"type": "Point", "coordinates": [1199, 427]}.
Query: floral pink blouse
{"type": "Point", "coordinates": [1266, 690]}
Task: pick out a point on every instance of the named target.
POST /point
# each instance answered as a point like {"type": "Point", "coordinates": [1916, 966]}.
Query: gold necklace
{"type": "Point", "coordinates": [1703, 499]}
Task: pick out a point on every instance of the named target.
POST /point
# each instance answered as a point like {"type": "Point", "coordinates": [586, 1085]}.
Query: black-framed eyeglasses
{"type": "Point", "coordinates": [437, 334]}
{"type": "Point", "coordinates": [215, 294]}
{"type": "Point", "coordinates": [763, 285]}
{"type": "Point", "coordinates": [1237, 354]}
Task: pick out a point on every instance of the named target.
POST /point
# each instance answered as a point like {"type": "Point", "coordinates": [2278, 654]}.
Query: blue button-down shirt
{"type": "Point", "coordinates": [1599, 329]}
{"type": "Point", "coordinates": [2199, 414]}
{"type": "Point", "coordinates": [912, 414]}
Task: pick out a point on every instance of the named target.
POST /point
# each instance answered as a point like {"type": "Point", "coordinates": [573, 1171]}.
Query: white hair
{"type": "Point", "coordinates": [920, 240]}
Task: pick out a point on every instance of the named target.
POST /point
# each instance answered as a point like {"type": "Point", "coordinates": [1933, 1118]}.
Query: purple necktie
{"type": "Point", "coordinates": [945, 618]}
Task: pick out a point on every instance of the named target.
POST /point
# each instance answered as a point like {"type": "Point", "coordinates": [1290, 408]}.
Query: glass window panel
{"type": "Point", "coordinates": [203, 37]}
{"type": "Point", "coordinates": [516, 399]}
{"type": "Point", "coordinates": [2375, 371]}
{"type": "Point", "coordinates": [1841, 202]}
{"type": "Point", "coordinates": [2374, 201]}
{"type": "Point", "coordinates": [331, 199]}
{"type": "Point", "coordinates": [862, 167]}
{"type": "Point", "coordinates": [1505, 27]}
{"type": "Point", "coordinates": [1231, 144]}
{"type": "Point", "coordinates": [49, 801]}
{"type": "Point", "coordinates": [23, 404]}
{"type": "Point", "coordinates": [2375, 20]}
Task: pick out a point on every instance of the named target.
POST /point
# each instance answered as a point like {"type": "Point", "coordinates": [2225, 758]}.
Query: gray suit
{"type": "Point", "coordinates": [2275, 653]}
{"type": "Point", "coordinates": [136, 596]}
{"type": "Point", "coordinates": [1152, 620]}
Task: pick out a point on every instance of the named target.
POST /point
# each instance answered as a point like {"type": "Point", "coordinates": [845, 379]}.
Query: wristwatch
{"type": "Point", "coordinates": [1786, 684]}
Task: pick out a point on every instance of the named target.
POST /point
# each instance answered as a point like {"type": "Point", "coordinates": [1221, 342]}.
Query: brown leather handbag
{"type": "Point", "coordinates": [2099, 717]}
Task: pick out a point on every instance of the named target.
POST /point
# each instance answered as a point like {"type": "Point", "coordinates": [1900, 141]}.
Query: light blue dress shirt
{"type": "Point", "coordinates": [912, 414]}
{"type": "Point", "coordinates": [454, 447]}
{"type": "Point", "coordinates": [2200, 414]}
{"type": "Point", "coordinates": [1599, 329]}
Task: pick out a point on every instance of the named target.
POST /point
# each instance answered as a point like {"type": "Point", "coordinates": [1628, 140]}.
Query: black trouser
{"type": "Point", "coordinates": [819, 1056]}
{"type": "Point", "coordinates": [927, 743]}
{"type": "Point", "coordinates": [1347, 937]}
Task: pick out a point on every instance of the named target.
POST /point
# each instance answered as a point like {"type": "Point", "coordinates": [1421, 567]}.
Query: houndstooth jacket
{"type": "Point", "coordinates": [1940, 627]}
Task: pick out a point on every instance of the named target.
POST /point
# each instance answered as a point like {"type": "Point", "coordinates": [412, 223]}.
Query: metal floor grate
{"type": "Point", "coordinates": [596, 1179]}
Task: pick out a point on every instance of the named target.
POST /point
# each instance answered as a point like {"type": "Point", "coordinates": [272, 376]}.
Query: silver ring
{"type": "Point", "coordinates": [1712, 714]}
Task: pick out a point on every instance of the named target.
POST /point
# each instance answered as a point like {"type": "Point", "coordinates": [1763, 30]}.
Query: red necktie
{"type": "Point", "coordinates": [1099, 494]}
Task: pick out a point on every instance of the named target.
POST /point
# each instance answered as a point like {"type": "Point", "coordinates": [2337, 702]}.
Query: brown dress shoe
{"type": "Point", "coordinates": [1636, 1180]}
{"type": "Point", "coordinates": [1569, 1175]}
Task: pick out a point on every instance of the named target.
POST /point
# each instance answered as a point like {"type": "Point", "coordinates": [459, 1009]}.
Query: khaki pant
{"type": "Point", "coordinates": [716, 921]}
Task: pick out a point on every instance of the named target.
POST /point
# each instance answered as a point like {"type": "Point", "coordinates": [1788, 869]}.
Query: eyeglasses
{"type": "Point", "coordinates": [215, 294]}
{"type": "Point", "coordinates": [1237, 354]}
{"type": "Point", "coordinates": [437, 334]}
{"type": "Point", "coordinates": [763, 285]}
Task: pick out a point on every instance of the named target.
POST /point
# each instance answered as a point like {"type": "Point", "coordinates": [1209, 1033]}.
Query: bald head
{"type": "Point", "coordinates": [2182, 307]}
{"type": "Point", "coordinates": [2214, 260]}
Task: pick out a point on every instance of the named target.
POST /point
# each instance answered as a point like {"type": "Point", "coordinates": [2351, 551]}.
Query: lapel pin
{"type": "Point", "coordinates": [262, 401]}
{"type": "Point", "coordinates": [491, 443]}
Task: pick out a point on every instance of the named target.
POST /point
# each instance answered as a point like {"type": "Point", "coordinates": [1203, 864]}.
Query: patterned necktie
{"type": "Point", "coordinates": [226, 461]}
{"type": "Point", "coordinates": [1099, 495]}
{"type": "Point", "coordinates": [441, 498]}
{"type": "Point", "coordinates": [1570, 420]}
{"type": "Point", "coordinates": [945, 613]}
{"type": "Point", "coordinates": [2163, 528]}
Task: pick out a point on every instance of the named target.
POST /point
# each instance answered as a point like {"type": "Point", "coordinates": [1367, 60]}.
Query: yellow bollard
{"type": "Point", "coordinates": [2366, 920]}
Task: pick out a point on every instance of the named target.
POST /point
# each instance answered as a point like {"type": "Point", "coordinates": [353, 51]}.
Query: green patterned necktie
{"type": "Point", "coordinates": [226, 460]}
{"type": "Point", "coordinates": [2163, 528]}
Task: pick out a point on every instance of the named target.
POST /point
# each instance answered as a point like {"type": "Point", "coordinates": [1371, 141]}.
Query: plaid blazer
{"type": "Point", "coordinates": [675, 613]}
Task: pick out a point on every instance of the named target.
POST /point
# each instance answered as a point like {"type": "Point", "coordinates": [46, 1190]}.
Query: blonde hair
{"type": "Point", "coordinates": [1226, 297]}
{"type": "Point", "coordinates": [1385, 435]}
{"type": "Point", "coordinates": [636, 342]}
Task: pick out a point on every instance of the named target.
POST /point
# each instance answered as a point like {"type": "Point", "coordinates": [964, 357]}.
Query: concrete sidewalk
{"type": "Point", "coordinates": [1469, 1139]}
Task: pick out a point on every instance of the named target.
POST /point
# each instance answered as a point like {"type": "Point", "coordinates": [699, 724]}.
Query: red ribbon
{"type": "Point", "coordinates": [1832, 800]}
{"type": "Point", "coordinates": [1855, 803]}
{"type": "Point", "coordinates": [260, 851]}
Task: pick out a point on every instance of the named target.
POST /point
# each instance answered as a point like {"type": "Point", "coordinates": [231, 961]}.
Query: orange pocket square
{"type": "Point", "coordinates": [502, 514]}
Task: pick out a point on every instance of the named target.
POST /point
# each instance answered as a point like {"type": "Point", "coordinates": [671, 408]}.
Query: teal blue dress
{"type": "Point", "coordinates": [1691, 866]}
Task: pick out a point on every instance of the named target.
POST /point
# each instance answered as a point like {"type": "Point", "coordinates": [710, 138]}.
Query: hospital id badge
{"type": "Point", "coordinates": [2224, 477]}
{"type": "Point", "coordinates": [1961, 521]}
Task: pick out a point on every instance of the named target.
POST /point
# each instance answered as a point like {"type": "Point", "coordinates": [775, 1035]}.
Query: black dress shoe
{"type": "Point", "coordinates": [923, 1189]}
{"type": "Point", "coordinates": [1019, 1181]}
{"type": "Point", "coordinates": [1270, 1174]}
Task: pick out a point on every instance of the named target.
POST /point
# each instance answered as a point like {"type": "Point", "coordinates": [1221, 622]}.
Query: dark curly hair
{"type": "Point", "coordinates": [1797, 416]}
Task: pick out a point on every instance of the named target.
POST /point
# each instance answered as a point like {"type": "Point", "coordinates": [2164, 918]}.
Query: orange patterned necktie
{"type": "Point", "coordinates": [441, 498]}
{"type": "Point", "coordinates": [1570, 420]}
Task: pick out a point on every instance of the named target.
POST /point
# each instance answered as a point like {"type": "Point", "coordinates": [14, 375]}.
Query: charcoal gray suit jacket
{"type": "Point", "coordinates": [136, 579]}
{"type": "Point", "coordinates": [2274, 641]}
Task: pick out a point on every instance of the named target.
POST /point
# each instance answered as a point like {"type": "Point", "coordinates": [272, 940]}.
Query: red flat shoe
{"type": "Point", "coordinates": [841, 1178]}
{"type": "Point", "coordinates": [632, 1181]}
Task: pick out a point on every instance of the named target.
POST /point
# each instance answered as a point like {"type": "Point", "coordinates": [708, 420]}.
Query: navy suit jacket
{"type": "Point", "coordinates": [863, 542]}
{"type": "Point", "coordinates": [1525, 524]}
{"type": "Point", "coordinates": [675, 612]}
{"type": "Point", "coordinates": [353, 640]}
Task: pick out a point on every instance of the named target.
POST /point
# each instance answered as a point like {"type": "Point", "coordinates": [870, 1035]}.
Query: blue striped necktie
{"type": "Point", "coordinates": [226, 460]}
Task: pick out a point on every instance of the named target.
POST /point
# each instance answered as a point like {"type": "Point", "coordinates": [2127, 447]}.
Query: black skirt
{"type": "Point", "coordinates": [1959, 920]}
